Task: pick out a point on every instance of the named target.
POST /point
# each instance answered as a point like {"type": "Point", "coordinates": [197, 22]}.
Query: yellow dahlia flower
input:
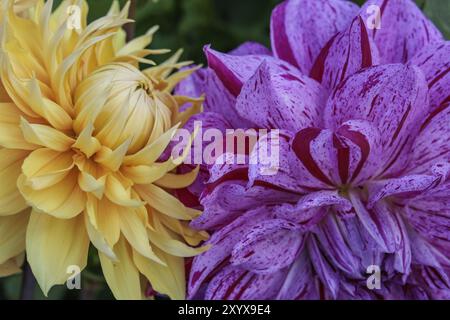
{"type": "Point", "coordinates": [81, 132]}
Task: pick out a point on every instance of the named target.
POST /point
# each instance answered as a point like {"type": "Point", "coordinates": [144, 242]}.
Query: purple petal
{"type": "Point", "coordinates": [403, 29]}
{"type": "Point", "coordinates": [205, 121]}
{"type": "Point", "coordinates": [379, 223]}
{"type": "Point", "coordinates": [275, 98]}
{"type": "Point", "coordinates": [234, 283]}
{"type": "Point", "coordinates": [222, 243]}
{"type": "Point", "coordinates": [361, 242]}
{"type": "Point", "coordinates": [393, 98]}
{"type": "Point", "coordinates": [351, 154]}
{"type": "Point", "coordinates": [234, 70]}
{"type": "Point", "coordinates": [226, 168]}
{"type": "Point", "coordinates": [335, 247]}
{"type": "Point", "coordinates": [220, 100]}
{"type": "Point", "coordinates": [250, 47]}
{"type": "Point", "coordinates": [345, 54]}
{"type": "Point", "coordinates": [359, 148]}
{"type": "Point", "coordinates": [301, 28]}
{"type": "Point", "coordinates": [424, 253]}
{"type": "Point", "coordinates": [315, 149]}
{"type": "Point", "coordinates": [403, 256]}
{"type": "Point", "coordinates": [221, 207]}
{"type": "Point", "coordinates": [299, 283]}
{"type": "Point", "coordinates": [434, 61]}
{"type": "Point", "coordinates": [432, 145]}
{"type": "Point", "coordinates": [192, 86]}
{"type": "Point", "coordinates": [325, 271]}
{"type": "Point", "coordinates": [291, 176]}
{"type": "Point", "coordinates": [434, 279]}
{"type": "Point", "coordinates": [310, 209]}
{"type": "Point", "coordinates": [407, 186]}
{"type": "Point", "coordinates": [431, 222]}
{"type": "Point", "coordinates": [268, 247]}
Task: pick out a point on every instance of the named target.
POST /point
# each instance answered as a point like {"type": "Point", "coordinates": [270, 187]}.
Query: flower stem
{"type": "Point", "coordinates": [28, 283]}
{"type": "Point", "coordinates": [130, 28]}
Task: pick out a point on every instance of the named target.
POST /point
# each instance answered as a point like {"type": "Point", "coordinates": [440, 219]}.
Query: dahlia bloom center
{"type": "Point", "coordinates": [131, 109]}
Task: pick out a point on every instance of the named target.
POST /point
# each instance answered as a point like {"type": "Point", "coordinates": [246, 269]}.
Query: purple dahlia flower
{"type": "Point", "coordinates": [364, 169]}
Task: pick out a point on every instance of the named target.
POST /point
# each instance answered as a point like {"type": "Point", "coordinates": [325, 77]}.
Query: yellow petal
{"type": "Point", "coordinates": [146, 174]}
{"type": "Point", "coordinates": [151, 153]}
{"type": "Point", "coordinates": [178, 181]}
{"type": "Point", "coordinates": [63, 200]}
{"type": "Point", "coordinates": [192, 237]}
{"type": "Point", "coordinates": [167, 241]}
{"type": "Point", "coordinates": [10, 133]}
{"type": "Point", "coordinates": [53, 245]}
{"type": "Point", "coordinates": [104, 216]}
{"type": "Point", "coordinates": [118, 194]}
{"type": "Point", "coordinates": [163, 202]}
{"type": "Point", "coordinates": [12, 235]}
{"type": "Point", "coordinates": [48, 109]}
{"type": "Point", "coordinates": [86, 143]}
{"type": "Point", "coordinates": [122, 277]}
{"type": "Point", "coordinates": [11, 201]}
{"type": "Point", "coordinates": [135, 232]}
{"type": "Point", "coordinates": [98, 240]}
{"type": "Point", "coordinates": [44, 167]}
{"type": "Point", "coordinates": [138, 43]}
{"type": "Point", "coordinates": [112, 159]}
{"type": "Point", "coordinates": [45, 136]}
{"type": "Point", "coordinates": [12, 266]}
{"type": "Point", "coordinates": [92, 185]}
{"type": "Point", "coordinates": [168, 280]}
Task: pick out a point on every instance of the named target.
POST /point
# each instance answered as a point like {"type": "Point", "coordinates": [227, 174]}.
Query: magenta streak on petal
{"type": "Point", "coordinates": [282, 46]}
{"type": "Point", "coordinates": [372, 105]}
{"type": "Point", "coordinates": [400, 125]}
{"type": "Point", "coordinates": [319, 66]}
{"type": "Point", "coordinates": [366, 51]}
{"type": "Point", "coordinates": [197, 276]}
{"type": "Point", "coordinates": [343, 154]}
{"type": "Point", "coordinates": [438, 77]}
{"type": "Point", "coordinates": [245, 287]}
{"type": "Point", "coordinates": [234, 285]}
{"type": "Point", "coordinates": [187, 197]}
{"type": "Point", "coordinates": [265, 184]}
{"type": "Point", "coordinates": [240, 174]}
{"type": "Point", "coordinates": [229, 80]}
{"type": "Point", "coordinates": [219, 285]}
{"type": "Point", "coordinates": [302, 148]}
{"type": "Point", "coordinates": [397, 155]}
{"type": "Point", "coordinates": [434, 114]}
{"type": "Point", "coordinates": [360, 140]}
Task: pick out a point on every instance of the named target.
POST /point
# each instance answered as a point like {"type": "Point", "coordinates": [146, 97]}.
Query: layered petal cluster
{"type": "Point", "coordinates": [363, 181]}
{"type": "Point", "coordinates": [81, 133]}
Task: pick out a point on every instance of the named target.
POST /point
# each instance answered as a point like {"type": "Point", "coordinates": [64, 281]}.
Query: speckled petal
{"type": "Point", "coordinates": [301, 28]}
{"type": "Point", "coordinates": [345, 54]}
{"type": "Point", "coordinates": [268, 247]}
{"type": "Point", "coordinates": [393, 98]}
{"type": "Point", "coordinates": [434, 61]}
{"type": "Point", "coordinates": [403, 29]}
{"type": "Point", "coordinates": [275, 98]}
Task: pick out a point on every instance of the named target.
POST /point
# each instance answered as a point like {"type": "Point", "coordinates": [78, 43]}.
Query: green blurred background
{"type": "Point", "coordinates": [189, 24]}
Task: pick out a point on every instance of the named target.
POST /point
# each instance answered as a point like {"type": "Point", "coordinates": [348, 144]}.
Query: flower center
{"type": "Point", "coordinates": [122, 105]}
